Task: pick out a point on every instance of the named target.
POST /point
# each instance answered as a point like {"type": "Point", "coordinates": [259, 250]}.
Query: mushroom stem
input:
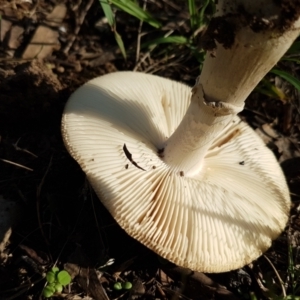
{"type": "Point", "coordinates": [244, 40]}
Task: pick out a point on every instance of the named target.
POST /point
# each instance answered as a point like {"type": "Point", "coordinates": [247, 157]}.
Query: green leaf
{"type": "Point", "coordinates": [55, 270]}
{"type": "Point", "coordinates": [135, 10]}
{"type": "Point", "coordinates": [288, 77]}
{"type": "Point", "coordinates": [120, 43]}
{"type": "Point", "coordinates": [127, 285]}
{"type": "Point", "coordinates": [175, 39]}
{"type": "Point", "coordinates": [252, 296]}
{"type": "Point", "coordinates": [50, 276]}
{"type": "Point", "coordinates": [108, 12]}
{"type": "Point", "coordinates": [52, 285]}
{"type": "Point", "coordinates": [63, 277]}
{"type": "Point", "coordinates": [48, 291]}
{"type": "Point", "coordinates": [118, 286]}
{"type": "Point", "coordinates": [58, 287]}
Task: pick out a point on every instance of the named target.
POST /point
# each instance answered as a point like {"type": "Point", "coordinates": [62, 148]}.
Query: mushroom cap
{"type": "Point", "coordinates": [218, 220]}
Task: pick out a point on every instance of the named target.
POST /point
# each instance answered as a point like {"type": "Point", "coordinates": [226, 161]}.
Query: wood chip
{"type": "Point", "coordinates": [45, 38]}
{"type": "Point", "coordinates": [5, 26]}
{"type": "Point", "coordinates": [15, 37]}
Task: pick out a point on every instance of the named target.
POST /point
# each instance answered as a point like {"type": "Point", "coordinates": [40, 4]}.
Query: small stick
{"type": "Point", "coordinates": [79, 21]}
{"type": "Point", "coordinates": [38, 198]}
{"type": "Point", "coordinates": [24, 150]}
{"type": "Point", "coordinates": [129, 156]}
{"type": "Point", "coordinates": [16, 164]}
{"type": "Point", "coordinates": [278, 276]}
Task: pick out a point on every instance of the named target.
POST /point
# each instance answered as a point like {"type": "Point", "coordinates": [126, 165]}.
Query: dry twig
{"type": "Point", "coordinates": [278, 276]}
{"type": "Point", "coordinates": [79, 21]}
{"type": "Point", "coordinates": [38, 200]}
{"type": "Point", "coordinates": [16, 164]}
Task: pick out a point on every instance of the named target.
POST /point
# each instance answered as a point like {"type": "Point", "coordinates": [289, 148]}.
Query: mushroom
{"type": "Point", "coordinates": [176, 167]}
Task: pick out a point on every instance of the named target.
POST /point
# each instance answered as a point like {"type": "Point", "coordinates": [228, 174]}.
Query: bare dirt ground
{"type": "Point", "coordinates": [47, 50]}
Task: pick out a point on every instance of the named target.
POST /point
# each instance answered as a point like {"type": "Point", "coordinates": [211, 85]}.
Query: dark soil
{"type": "Point", "coordinates": [59, 220]}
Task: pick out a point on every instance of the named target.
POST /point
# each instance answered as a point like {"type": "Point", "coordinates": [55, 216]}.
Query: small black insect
{"type": "Point", "coordinates": [242, 163]}
{"type": "Point", "coordinates": [129, 156]}
{"type": "Point", "coordinates": [153, 167]}
{"type": "Point", "coordinates": [126, 166]}
{"type": "Point", "coordinates": [181, 173]}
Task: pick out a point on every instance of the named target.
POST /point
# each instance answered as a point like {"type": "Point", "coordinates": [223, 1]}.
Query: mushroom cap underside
{"type": "Point", "coordinates": [217, 220]}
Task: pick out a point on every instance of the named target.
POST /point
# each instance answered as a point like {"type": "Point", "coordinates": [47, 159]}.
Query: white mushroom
{"type": "Point", "coordinates": [175, 166]}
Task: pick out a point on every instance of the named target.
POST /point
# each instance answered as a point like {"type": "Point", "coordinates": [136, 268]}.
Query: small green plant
{"type": "Point", "coordinates": [131, 8]}
{"type": "Point", "coordinates": [293, 274]}
{"type": "Point", "coordinates": [199, 11]}
{"type": "Point", "coordinates": [56, 280]}
{"type": "Point", "coordinates": [122, 286]}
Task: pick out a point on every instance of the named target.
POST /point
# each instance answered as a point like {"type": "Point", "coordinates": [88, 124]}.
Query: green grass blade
{"type": "Point", "coordinates": [292, 59]}
{"type": "Point", "coordinates": [135, 10]}
{"type": "Point", "coordinates": [202, 12]}
{"type": "Point", "coordinates": [270, 90]}
{"type": "Point", "coordinates": [108, 12]}
{"type": "Point", "coordinates": [288, 77]}
{"type": "Point", "coordinates": [175, 39]}
{"type": "Point", "coordinates": [120, 44]}
{"type": "Point", "coordinates": [193, 14]}
{"type": "Point", "coordinates": [106, 7]}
